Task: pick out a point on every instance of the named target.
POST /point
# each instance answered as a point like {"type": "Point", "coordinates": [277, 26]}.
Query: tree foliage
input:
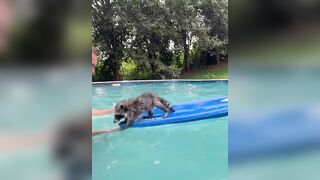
{"type": "Point", "coordinates": [157, 36]}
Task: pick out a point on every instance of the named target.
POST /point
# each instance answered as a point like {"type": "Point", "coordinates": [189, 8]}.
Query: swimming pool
{"type": "Point", "coordinates": [194, 150]}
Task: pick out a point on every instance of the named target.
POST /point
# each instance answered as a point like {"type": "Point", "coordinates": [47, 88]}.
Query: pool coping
{"type": "Point", "coordinates": [167, 80]}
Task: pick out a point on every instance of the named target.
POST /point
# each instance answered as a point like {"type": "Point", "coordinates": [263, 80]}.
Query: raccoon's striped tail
{"type": "Point", "coordinates": [166, 104]}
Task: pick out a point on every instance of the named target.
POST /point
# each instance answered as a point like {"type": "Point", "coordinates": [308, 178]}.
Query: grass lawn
{"type": "Point", "coordinates": [213, 72]}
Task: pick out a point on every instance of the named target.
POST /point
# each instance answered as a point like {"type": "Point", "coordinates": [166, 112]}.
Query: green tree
{"type": "Point", "coordinates": [214, 32]}
{"type": "Point", "coordinates": [151, 37]}
{"type": "Point", "coordinates": [185, 23]}
{"type": "Point", "coordinates": [111, 30]}
{"type": "Point", "coordinates": [158, 38]}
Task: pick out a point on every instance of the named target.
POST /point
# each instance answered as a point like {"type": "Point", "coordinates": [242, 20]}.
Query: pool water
{"type": "Point", "coordinates": [190, 151]}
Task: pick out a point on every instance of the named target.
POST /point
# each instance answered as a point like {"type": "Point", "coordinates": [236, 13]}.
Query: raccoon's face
{"type": "Point", "coordinates": [121, 112]}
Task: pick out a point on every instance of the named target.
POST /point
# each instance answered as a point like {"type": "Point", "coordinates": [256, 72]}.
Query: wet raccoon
{"type": "Point", "coordinates": [132, 108]}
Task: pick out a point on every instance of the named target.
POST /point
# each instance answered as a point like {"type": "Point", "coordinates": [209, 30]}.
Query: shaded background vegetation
{"type": "Point", "coordinates": [158, 39]}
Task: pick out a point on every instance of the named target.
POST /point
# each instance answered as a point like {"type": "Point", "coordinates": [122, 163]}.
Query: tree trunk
{"type": "Point", "coordinates": [116, 67]}
{"type": "Point", "coordinates": [153, 71]}
{"type": "Point", "coordinates": [185, 52]}
{"type": "Point", "coordinates": [218, 58]}
{"type": "Point", "coordinates": [153, 66]}
{"type": "Point", "coordinates": [117, 75]}
{"type": "Point", "coordinates": [186, 58]}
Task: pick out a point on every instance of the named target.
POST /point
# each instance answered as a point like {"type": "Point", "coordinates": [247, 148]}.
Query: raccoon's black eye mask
{"type": "Point", "coordinates": [119, 116]}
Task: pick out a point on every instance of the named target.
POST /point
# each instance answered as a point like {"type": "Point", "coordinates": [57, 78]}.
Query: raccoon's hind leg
{"type": "Point", "coordinates": [163, 108]}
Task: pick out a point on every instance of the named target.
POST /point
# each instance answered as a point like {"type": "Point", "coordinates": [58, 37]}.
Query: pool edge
{"type": "Point", "coordinates": [169, 80]}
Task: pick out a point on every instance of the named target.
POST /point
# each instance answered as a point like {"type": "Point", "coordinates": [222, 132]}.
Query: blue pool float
{"type": "Point", "coordinates": [185, 112]}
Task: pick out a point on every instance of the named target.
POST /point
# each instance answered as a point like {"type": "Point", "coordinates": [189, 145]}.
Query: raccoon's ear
{"type": "Point", "coordinates": [121, 106]}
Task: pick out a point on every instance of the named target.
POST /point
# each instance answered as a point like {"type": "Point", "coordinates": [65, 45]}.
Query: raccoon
{"type": "Point", "coordinates": [132, 108]}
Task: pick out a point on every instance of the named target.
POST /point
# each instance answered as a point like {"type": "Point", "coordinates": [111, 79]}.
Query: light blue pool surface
{"type": "Point", "coordinates": [190, 151]}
